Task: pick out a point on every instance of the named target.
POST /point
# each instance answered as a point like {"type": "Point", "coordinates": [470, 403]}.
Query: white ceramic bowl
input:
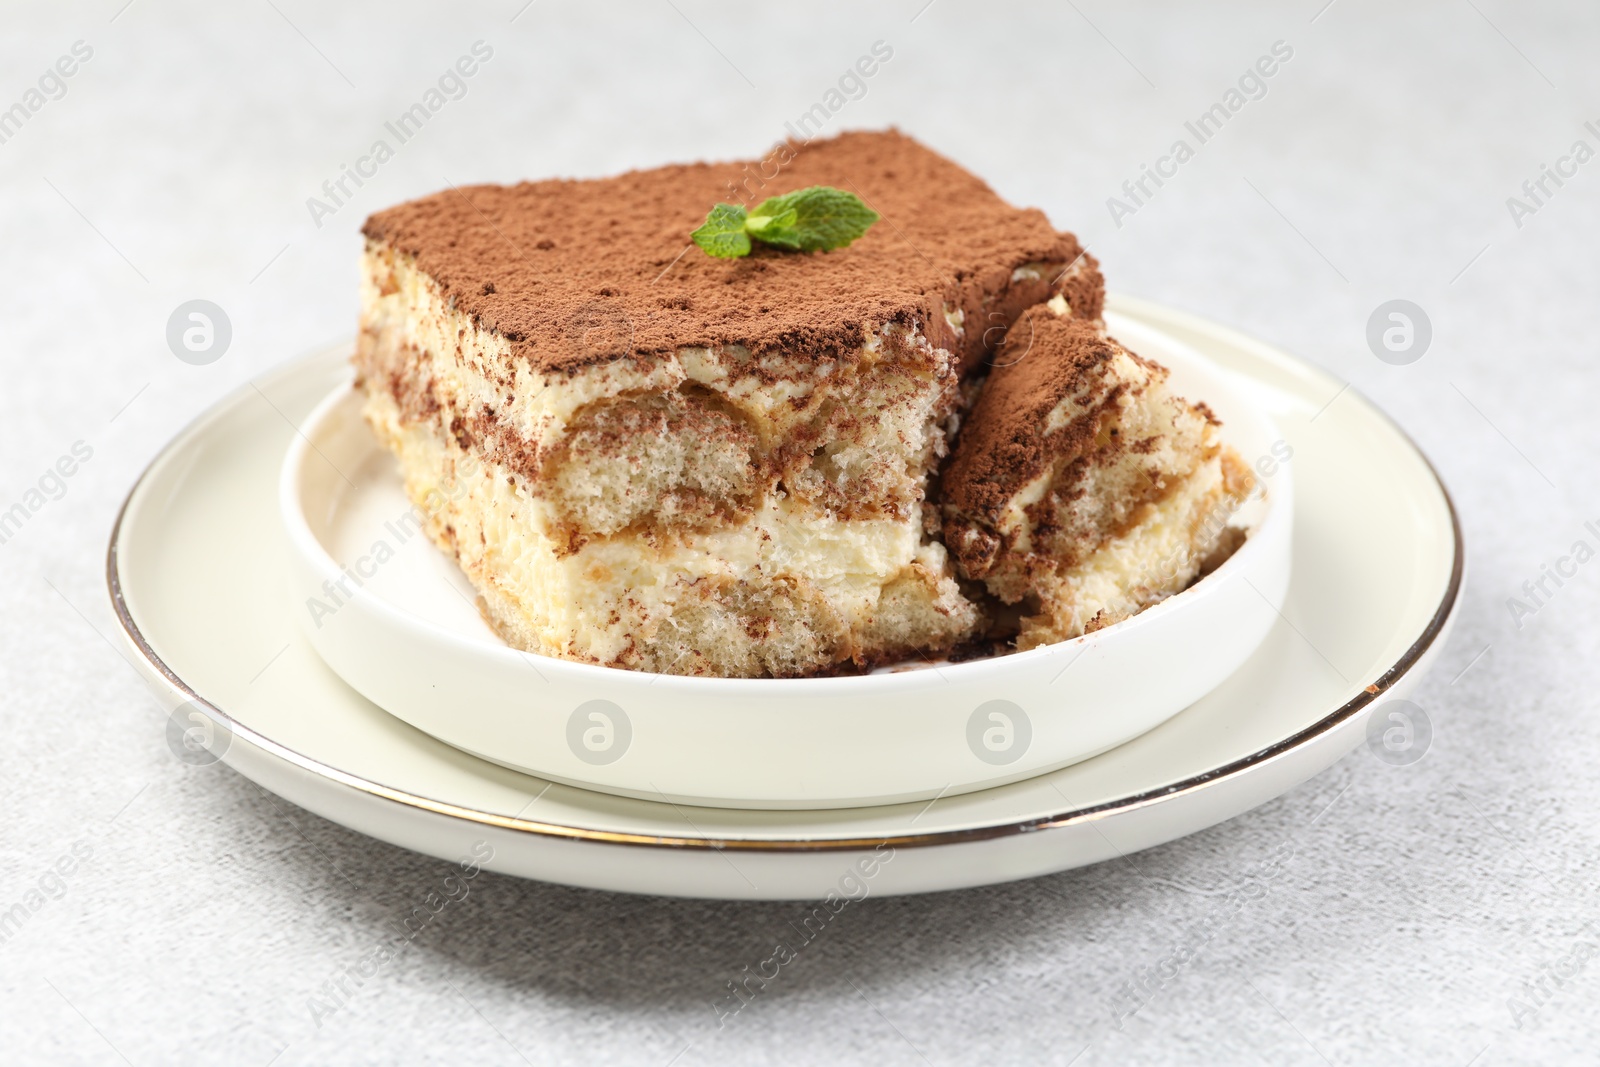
{"type": "Point", "coordinates": [395, 619]}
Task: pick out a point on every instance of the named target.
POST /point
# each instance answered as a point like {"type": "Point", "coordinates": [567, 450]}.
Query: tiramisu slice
{"type": "Point", "coordinates": [646, 457]}
{"type": "Point", "coordinates": [1081, 487]}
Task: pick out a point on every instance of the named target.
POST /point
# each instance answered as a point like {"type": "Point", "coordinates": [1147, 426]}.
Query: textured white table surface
{"type": "Point", "coordinates": [1417, 917]}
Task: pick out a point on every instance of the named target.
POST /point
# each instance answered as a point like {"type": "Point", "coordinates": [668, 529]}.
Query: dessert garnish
{"type": "Point", "coordinates": [818, 219]}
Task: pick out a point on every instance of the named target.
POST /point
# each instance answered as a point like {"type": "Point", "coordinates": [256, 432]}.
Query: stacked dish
{"type": "Point", "coordinates": [355, 675]}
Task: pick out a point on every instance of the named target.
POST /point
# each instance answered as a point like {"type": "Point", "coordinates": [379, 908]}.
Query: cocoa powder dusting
{"type": "Point", "coordinates": [1004, 443]}
{"type": "Point", "coordinates": [572, 272]}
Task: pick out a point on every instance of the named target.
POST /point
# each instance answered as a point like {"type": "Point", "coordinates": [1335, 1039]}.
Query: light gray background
{"type": "Point", "coordinates": [177, 166]}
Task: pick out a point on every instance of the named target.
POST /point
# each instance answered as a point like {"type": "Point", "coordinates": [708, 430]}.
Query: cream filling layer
{"type": "Point", "coordinates": [1157, 557]}
{"type": "Point", "coordinates": [572, 601]}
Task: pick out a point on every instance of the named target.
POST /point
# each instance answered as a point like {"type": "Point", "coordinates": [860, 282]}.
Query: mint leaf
{"type": "Point", "coordinates": [812, 220]}
{"type": "Point", "coordinates": [723, 233]}
{"type": "Point", "coordinates": [817, 219]}
{"type": "Point", "coordinates": [776, 230]}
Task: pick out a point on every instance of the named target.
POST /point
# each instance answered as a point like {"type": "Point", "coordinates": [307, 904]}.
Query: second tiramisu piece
{"type": "Point", "coordinates": [1082, 488]}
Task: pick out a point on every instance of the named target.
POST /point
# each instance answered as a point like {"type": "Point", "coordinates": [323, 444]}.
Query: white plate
{"type": "Point", "coordinates": [395, 618]}
{"type": "Point", "coordinates": [197, 578]}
